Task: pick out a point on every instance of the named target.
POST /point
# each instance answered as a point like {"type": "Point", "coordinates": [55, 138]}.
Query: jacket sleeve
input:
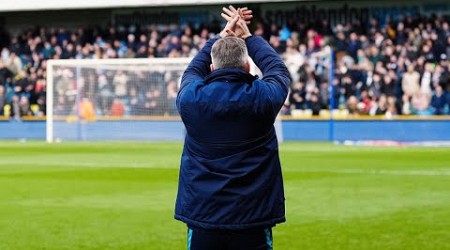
{"type": "Point", "coordinates": [198, 68]}
{"type": "Point", "coordinates": [275, 73]}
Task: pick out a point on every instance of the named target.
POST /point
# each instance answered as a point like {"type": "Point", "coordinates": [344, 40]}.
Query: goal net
{"type": "Point", "coordinates": [119, 99]}
{"type": "Point", "coordinates": [116, 99]}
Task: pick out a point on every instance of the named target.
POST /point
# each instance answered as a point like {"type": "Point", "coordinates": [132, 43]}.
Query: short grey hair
{"type": "Point", "coordinates": [229, 52]}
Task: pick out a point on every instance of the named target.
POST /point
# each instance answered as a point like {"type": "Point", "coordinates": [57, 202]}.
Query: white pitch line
{"type": "Point", "coordinates": [382, 172]}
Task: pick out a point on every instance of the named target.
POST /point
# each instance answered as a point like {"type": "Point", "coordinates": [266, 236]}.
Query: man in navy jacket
{"type": "Point", "coordinates": [230, 190]}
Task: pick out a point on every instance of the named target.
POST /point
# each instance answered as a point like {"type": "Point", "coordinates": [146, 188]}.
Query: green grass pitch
{"type": "Point", "coordinates": [121, 196]}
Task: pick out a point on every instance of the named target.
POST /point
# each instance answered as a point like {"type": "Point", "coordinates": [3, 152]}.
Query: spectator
{"type": "Point", "coordinates": [388, 87]}
{"type": "Point", "coordinates": [365, 104]}
{"type": "Point", "coordinates": [86, 109]}
{"type": "Point", "coordinates": [438, 101]}
{"type": "Point", "coordinates": [42, 109]}
{"type": "Point", "coordinates": [297, 95]}
{"type": "Point", "coordinates": [315, 105]}
{"type": "Point", "coordinates": [15, 110]}
{"type": "Point", "coordinates": [293, 59]}
{"type": "Point", "coordinates": [64, 83]}
{"type": "Point", "coordinates": [5, 73]}
{"type": "Point", "coordinates": [14, 64]}
{"type": "Point", "coordinates": [375, 86]}
{"type": "Point", "coordinates": [22, 84]}
{"type": "Point", "coordinates": [354, 45]}
{"type": "Point", "coordinates": [410, 82]}
{"type": "Point", "coordinates": [420, 104]}
{"type": "Point", "coordinates": [391, 107]}
{"type": "Point", "coordinates": [120, 82]}
{"type": "Point", "coordinates": [136, 102]}
{"type": "Point", "coordinates": [24, 106]}
{"type": "Point", "coordinates": [349, 88]}
{"type": "Point", "coordinates": [352, 105]}
{"type": "Point", "coordinates": [425, 83]}
{"type": "Point", "coordinates": [381, 107]}
{"type": "Point", "coordinates": [105, 94]}
{"type": "Point", "coordinates": [406, 106]}
{"type": "Point", "coordinates": [172, 92]}
{"type": "Point", "coordinates": [117, 108]}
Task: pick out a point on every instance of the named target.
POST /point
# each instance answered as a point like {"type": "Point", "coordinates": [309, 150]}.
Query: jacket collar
{"type": "Point", "coordinates": [230, 75]}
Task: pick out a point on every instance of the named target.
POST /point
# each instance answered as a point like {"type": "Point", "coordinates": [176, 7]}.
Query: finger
{"type": "Point", "coordinates": [242, 24]}
{"type": "Point", "coordinates": [230, 32]}
{"type": "Point", "coordinates": [245, 10]}
{"type": "Point", "coordinates": [240, 13]}
{"type": "Point", "coordinates": [232, 24]}
{"type": "Point", "coordinates": [244, 15]}
{"type": "Point", "coordinates": [228, 12]}
{"type": "Point", "coordinates": [247, 13]}
{"type": "Point", "coordinates": [234, 21]}
{"type": "Point", "coordinates": [226, 17]}
{"type": "Point", "coordinates": [232, 8]}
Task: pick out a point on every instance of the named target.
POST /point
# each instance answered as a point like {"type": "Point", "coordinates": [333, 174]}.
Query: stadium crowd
{"type": "Point", "coordinates": [399, 67]}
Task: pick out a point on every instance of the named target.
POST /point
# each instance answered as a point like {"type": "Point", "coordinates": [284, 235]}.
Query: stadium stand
{"type": "Point", "coordinates": [382, 68]}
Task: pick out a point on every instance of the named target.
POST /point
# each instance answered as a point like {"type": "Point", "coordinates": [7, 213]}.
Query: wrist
{"type": "Point", "coordinates": [246, 36]}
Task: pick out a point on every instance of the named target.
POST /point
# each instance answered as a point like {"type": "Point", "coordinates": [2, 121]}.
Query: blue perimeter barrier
{"type": "Point", "coordinates": [293, 130]}
{"type": "Point", "coordinates": [356, 130]}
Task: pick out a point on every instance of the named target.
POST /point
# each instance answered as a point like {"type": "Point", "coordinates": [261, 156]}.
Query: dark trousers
{"type": "Point", "coordinates": [254, 239]}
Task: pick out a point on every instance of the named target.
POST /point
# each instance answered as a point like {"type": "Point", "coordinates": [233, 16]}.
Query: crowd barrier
{"type": "Point", "coordinates": [312, 129]}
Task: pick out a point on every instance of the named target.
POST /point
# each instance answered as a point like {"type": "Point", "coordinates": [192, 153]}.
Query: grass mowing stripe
{"type": "Point", "coordinates": [438, 172]}
{"type": "Point", "coordinates": [121, 196]}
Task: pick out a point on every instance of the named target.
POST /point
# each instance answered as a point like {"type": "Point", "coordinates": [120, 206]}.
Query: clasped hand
{"type": "Point", "coordinates": [237, 21]}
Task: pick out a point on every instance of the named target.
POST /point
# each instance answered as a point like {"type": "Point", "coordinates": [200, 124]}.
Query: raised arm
{"type": "Point", "coordinates": [276, 76]}
{"type": "Point", "coordinates": [269, 62]}
{"type": "Point", "coordinates": [198, 68]}
{"type": "Point", "coordinates": [275, 73]}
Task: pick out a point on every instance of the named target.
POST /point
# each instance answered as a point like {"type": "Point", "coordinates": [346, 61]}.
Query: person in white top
{"type": "Point", "coordinates": [410, 81]}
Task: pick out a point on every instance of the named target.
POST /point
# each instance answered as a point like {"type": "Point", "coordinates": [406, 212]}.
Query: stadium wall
{"type": "Point", "coordinates": [15, 18]}
{"type": "Point", "coordinates": [293, 130]}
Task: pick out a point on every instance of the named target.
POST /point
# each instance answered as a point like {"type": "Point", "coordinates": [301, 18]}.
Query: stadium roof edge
{"type": "Point", "coordinates": [32, 5]}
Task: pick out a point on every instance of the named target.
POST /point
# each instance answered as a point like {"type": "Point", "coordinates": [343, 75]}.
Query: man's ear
{"type": "Point", "coordinates": [211, 67]}
{"type": "Point", "coordinates": [247, 67]}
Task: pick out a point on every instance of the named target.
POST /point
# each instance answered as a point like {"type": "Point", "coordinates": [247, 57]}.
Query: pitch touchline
{"type": "Point", "coordinates": [383, 172]}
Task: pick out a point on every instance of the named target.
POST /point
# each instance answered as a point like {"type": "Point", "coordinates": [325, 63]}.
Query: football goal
{"type": "Point", "coordinates": [114, 99]}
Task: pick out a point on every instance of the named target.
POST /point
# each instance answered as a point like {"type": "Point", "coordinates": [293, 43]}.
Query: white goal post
{"type": "Point", "coordinates": [115, 99]}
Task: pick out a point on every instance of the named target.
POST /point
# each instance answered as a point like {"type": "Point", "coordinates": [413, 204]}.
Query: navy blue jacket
{"type": "Point", "coordinates": [230, 175]}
